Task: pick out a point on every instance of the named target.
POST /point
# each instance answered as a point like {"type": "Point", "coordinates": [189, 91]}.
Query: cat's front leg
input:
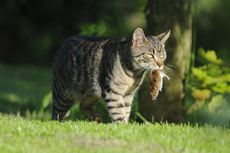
{"type": "Point", "coordinates": [116, 107]}
{"type": "Point", "coordinates": [128, 99]}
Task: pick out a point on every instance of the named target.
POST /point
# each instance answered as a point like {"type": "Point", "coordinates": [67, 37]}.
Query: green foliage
{"type": "Point", "coordinates": [46, 100]}
{"type": "Point", "coordinates": [209, 56]}
{"type": "Point", "coordinates": [95, 29]}
{"type": "Point", "coordinates": [209, 88]}
{"type": "Point", "coordinates": [85, 137]}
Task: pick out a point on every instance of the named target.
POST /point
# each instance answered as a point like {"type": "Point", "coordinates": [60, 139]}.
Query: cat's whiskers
{"type": "Point", "coordinates": [169, 49]}
{"type": "Point", "coordinates": [172, 66]}
{"type": "Point", "coordinates": [145, 69]}
{"type": "Point", "coordinates": [142, 70]}
{"type": "Point", "coordinates": [168, 71]}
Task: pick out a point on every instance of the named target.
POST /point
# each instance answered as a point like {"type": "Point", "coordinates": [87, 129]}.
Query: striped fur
{"type": "Point", "coordinates": [94, 68]}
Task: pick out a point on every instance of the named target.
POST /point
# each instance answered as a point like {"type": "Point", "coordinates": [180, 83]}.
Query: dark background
{"type": "Point", "coordinates": [31, 31]}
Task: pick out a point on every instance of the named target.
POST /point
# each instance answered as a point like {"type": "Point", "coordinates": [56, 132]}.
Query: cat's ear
{"type": "Point", "coordinates": [139, 37]}
{"type": "Point", "coordinates": [164, 36]}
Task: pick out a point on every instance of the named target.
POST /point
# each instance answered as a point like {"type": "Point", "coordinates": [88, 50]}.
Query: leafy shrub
{"type": "Point", "coordinates": [209, 89]}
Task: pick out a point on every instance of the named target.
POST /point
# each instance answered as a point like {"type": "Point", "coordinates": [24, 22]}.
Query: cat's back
{"type": "Point", "coordinates": [78, 43]}
{"type": "Point", "coordinates": [79, 58]}
{"type": "Point", "coordinates": [84, 41]}
{"type": "Point", "coordinates": [77, 47]}
{"type": "Point", "coordinates": [88, 38]}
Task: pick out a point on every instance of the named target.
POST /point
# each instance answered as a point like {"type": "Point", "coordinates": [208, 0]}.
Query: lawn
{"type": "Point", "coordinates": [26, 127]}
{"type": "Point", "coordinates": [26, 136]}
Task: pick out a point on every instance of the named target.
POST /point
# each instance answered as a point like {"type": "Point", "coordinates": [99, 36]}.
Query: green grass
{"type": "Point", "coordinates": [20, 135]}
{"type": "Point", "coordinates": [25, 126]}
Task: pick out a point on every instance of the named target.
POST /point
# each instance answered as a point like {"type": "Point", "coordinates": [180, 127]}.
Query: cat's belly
{"type": "Point", "coordinates": [82, 90]}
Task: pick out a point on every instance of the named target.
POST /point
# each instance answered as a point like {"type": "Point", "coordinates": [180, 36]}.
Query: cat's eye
{"type": "Point", "coordinates": [147, 56]}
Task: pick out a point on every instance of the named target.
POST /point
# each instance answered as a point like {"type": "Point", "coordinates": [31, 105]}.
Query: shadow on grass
{"type": "Point", "coordinates": [10, 107]}
{"type": "Point", "coordinates": [22, 88]}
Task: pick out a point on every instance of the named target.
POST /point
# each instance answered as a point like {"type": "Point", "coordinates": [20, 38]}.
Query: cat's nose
{"type": "Point", "coordinates": [160, 65]}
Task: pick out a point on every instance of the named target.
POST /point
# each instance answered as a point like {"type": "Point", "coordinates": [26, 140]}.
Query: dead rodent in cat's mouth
{"type": "Point", "coordinates": [156, 82]}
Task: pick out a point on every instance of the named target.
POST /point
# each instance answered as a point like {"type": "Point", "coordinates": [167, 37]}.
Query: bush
{"type": "Point", "coordinates": [209, 90]}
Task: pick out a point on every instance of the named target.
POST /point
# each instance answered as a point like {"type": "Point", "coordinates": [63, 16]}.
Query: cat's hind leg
{"type": "Point", "coordinates": [61, 104]}
{"type": "Point", "coordinates": [87, 107]}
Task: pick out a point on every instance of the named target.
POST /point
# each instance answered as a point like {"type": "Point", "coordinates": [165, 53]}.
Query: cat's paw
{"type": "Point", "coordinates": [95, 117]}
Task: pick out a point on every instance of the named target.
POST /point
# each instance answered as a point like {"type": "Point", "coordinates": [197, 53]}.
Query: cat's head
{"type": "Point", "coordinates": [148, 52]}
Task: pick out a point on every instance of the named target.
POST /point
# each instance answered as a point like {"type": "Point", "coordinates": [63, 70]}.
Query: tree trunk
{"type": "Point", "coordinates": [174, 15]}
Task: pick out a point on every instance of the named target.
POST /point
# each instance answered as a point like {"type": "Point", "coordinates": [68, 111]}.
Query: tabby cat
{"type": "Point", "coordinates": [94, 68]}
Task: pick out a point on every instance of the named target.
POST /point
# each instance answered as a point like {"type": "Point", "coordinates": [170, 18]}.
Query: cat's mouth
{"type": "Point", "coordinates": [160, 68]}
{"type": "Point", "coordinates": [157, 68]}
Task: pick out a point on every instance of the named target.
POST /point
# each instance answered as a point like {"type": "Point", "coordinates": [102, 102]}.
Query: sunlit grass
{"type": "Point", "coordinates": [20, 135]}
